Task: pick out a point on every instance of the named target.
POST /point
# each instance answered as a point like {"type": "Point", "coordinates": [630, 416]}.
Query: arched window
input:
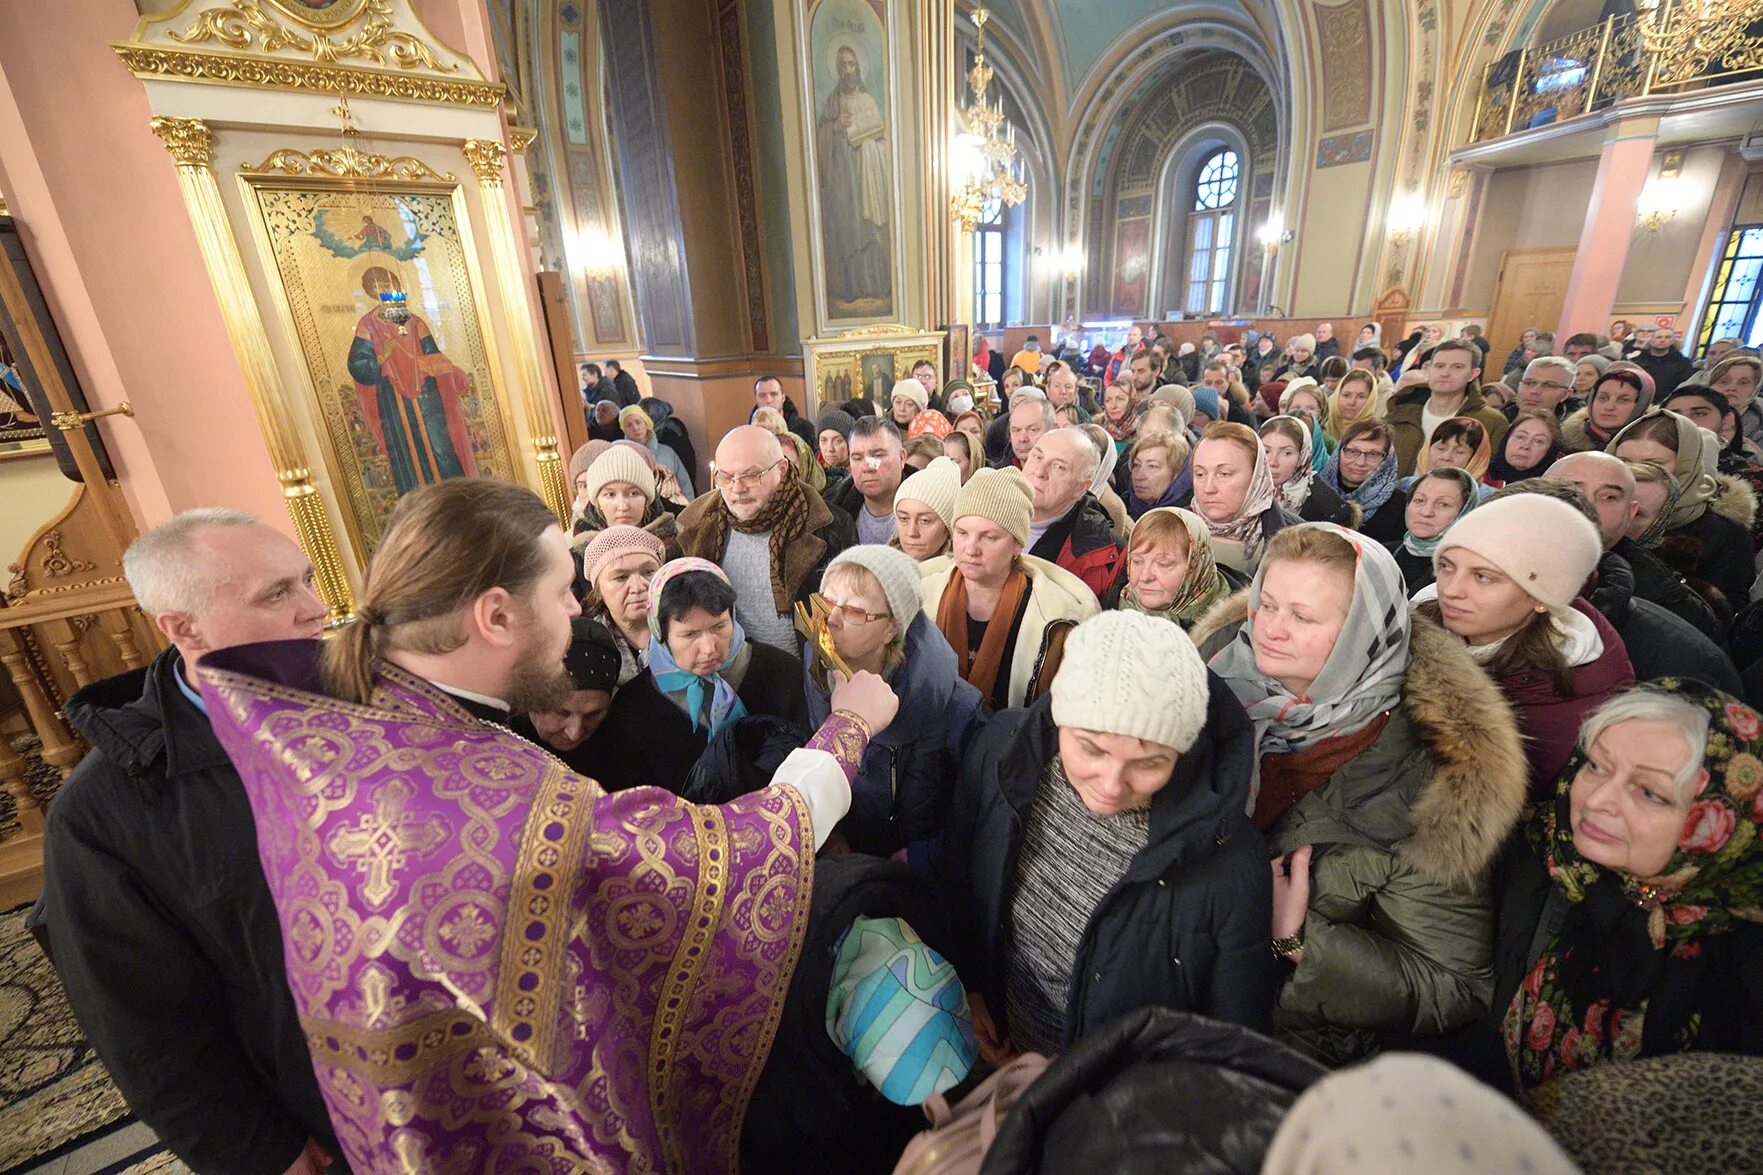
{"type": "Point", "coordinates": [988, 265]}
{"type": "Point", "coordinates": [1211, 233]}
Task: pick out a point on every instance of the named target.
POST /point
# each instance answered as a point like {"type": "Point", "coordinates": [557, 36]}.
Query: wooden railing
{"type": "Point", "coordinates": [1596, 67]}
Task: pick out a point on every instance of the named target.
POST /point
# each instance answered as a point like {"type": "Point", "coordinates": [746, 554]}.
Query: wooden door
{"type": "Point", "coordinates": [1530, 292]}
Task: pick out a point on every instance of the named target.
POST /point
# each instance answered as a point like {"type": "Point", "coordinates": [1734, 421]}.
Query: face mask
{"type": "Point", "coordinates": [960, 402]}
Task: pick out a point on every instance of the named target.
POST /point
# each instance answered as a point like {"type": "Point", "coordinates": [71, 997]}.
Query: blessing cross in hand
{"type": "Point", "coordinates": [378, 843]}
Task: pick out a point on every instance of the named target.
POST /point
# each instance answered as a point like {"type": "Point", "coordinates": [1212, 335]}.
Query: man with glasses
{"type": "Point", "coordinates": [1547, 383]}
{"type": "Point", "coordinates": [763, 526]}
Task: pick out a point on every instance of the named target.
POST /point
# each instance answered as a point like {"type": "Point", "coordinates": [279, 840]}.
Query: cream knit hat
{"type": "Point", "coordinates": [912, 388]}
{"type": "Point", "coordinates": [620, 463]}
{"type": "Point", "coordinates": [1546, 546]}
{"type": "Point", "coordinates": [1132, 674]}
{"type": "Point", "coordinates": [936, 486]}
{"type": "Point", "coordinates": [896, 571]}
{"type": "Point", "coordinates": [1002, 496]}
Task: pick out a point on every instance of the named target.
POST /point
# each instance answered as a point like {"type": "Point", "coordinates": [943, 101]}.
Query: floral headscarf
{"type": "Point", "coordinates": [931, 421]}
{"type": "Point", "coordinates": [1627, 939]}
{"type": "Point", "coordinates": [1693, 474]}
{"type": "Point", "coordinates": [1203, 585]}
{"type": "Point", "coordinates": [1244, 526]}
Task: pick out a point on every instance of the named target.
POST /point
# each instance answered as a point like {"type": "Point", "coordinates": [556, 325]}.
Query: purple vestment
{"type": "Point", "coordinates": [499, 967]}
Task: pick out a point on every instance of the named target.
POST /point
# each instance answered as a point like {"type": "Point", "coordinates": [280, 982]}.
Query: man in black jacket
{"type": "Point", "coordinates": [628, 392]}
{"type": "Point", "coordinates": [155, 909]}
{"type": "Point", "coordinates": [1668, 366]}
{"type": "Point", "coordinates": [768, 392]}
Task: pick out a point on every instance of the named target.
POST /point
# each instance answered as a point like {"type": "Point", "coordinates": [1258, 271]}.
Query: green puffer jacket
{"type": "Point", "coordinates": [1399, 938]}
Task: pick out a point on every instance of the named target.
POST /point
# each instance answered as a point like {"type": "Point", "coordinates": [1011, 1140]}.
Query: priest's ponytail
{"type": "Point", "coordinates": [448, 544]}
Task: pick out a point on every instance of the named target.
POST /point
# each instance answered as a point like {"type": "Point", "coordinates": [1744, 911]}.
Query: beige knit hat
{"type": "Point", "coordinates": [1132, 674]}
{"type": "Point", "coordinates": [1546, 546]}
{"type": "Point", "coordinates": [1002, 496]}
{"type": "Point", "coordinates": [620, 463]}
{"type": "Point", "coordinates": [582, 458]}
{"type": "Point", "coordinates": [617, 541]}
{"type": "Point", "coordinates": [936, 486]}
{"type": "Point", "coordinates": [912, 388]}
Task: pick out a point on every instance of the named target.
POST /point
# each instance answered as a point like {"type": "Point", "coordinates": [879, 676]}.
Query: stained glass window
{"type": "Point", "coordinates": [1733, 304]}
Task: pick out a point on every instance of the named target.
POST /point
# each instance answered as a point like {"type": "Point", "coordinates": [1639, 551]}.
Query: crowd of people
{"type": "Point", "coordinates": [1272, 708]}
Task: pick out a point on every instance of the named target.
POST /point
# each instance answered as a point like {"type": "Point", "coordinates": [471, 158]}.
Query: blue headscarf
{"type": "Point", "coordinates": [1371, 493]}
{"type": "Point", "coordinates": [725, 705]}
{"type": "Point", "coordinates": [1319, 453]}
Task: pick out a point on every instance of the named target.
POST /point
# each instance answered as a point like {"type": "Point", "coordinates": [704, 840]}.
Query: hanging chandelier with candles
{"type": "Point", "coordinates": [986, 147]}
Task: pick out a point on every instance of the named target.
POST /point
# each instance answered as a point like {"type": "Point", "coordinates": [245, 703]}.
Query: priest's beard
{"type": "Point", "coordinates": [537, 685]}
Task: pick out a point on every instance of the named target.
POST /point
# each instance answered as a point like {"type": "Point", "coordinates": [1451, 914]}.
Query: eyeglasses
{"type": "Point", "coordinates": [849, 613]}
{"type": "Point", "coordinates": [740, 481]}
{"type": "Point", "coordinates": [1362, 454]}
{"type": "Point", "coordinates": [1543, 383]}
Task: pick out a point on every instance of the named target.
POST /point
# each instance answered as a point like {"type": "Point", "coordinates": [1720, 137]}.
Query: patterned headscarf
{"type": "Point", "coordinates": [725, 705]}
{"type": "Point", "coordinates": [1339, 422]}
{"type": "Point", "coordinates": [931, 421]}
{"type": "Point", "coordinates": [1296, 491]}
{"type": "Point", "coordinates": [1478, 460]}
{"type": "Point", "coordinates": [1244, 526]}
{"type": "Point", "coordinates": [1471, 499]}
{"type": "Point", "coordinates": [1626, 937]}
{"type": "Point", "coordinates": [1371, 493]}
{"type": "Point", "coordinates": [1364, 672]}
{"type": "Point", "coordinates": [1201, 587]}
{"type": "Point", "coordinates": [1693, 474]}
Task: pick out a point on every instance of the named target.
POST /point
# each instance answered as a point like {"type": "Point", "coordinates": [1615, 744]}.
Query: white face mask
{"type": "Point", "coordinates": [960, 402]}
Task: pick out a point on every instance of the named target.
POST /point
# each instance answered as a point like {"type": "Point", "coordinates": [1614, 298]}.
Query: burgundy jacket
{"type": "Point", "coordinates": [1550, 722]}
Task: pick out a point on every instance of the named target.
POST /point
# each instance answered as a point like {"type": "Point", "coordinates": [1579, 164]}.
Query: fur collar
{"type": "Point", "coordinates": [1735, 499]}
{"type": "Point", "coordinates": [1479, 773]}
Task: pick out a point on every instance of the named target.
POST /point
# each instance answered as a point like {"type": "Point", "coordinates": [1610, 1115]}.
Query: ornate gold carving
{"type": "Point", "coordinates": [317, 539]}
{"type": "Point", "coordinates": [244, 25]}
{"type": "Point", "coordinates": [189, 140]}
{"type": "Point", "coordinates": [877, 332]}
{"type": "Point", "coordinates": [15, 589]}
{"type": "Point", "coordinates": [552, 483]}
{"type": "Point", "coordinates": [486, 157]}
{"type": "Point", "coordinates": [521, 137]}
{"type": "Point", "coordinates": [258, 73]}
{"type": "Point", "coordinates": [346, 162]}
{"type": "Point", "coordinates": [71, 421]}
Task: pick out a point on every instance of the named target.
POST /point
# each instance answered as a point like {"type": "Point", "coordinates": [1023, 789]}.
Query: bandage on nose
{"type": "Point", "coordinates": [873, 463]}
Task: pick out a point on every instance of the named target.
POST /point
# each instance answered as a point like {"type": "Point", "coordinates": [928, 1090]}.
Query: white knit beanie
{"type": "Point", "coordinates": [620, 463]}
{"type": "Point", "coordinates": [1546, 546]}
{"type": "Point", "coordinates": [896, 571]}
{"type": "Point", "coordinates": [936, 486]}
{"type": "Point", "coordinates": [1132, 674]}
{"type": "Point", "coordinates": [913, 389]}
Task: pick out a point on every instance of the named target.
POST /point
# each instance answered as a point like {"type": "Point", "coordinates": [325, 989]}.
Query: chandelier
{"type": "Point", "coordinates": [987, 145]}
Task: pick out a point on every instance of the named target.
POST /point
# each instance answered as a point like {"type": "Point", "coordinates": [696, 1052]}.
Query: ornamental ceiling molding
{"type": "Point", "coordinates": [361, 48]}
{"type": "Point", "coordinates": [347, 163]}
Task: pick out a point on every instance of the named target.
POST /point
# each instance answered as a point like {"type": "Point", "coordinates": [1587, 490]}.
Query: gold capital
{"type": "Point", "coordinates": [189, 140]}
{"type": "Point", "coordinates": [485, 157]}
{"type": "Point", "coordinates": [521, 137]}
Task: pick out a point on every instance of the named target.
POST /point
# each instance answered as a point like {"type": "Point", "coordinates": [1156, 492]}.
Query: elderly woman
{"type": "Point", "coordinates": [619, 564]}
{"type": "Point", "coordinates": [1388, 774]}
{"type": "Point", "coordinates": [1289, 443]}
{"type": "Point", "coordinates": [1629, 921]}
{"type": "Point", "coordinates": [592, 662]}
{"type": "Point", "coordinates": [1704, 523]}
{"type": "Point", "coordinates": [1234, 493]}
{"type": "Point", "coordinates": [1169, 571]}
{"type": "Point", "coordinates": [1102, 483]}
{"type": "Point", "coordinates": [1530, 446]}
{"type": "Point", "coordinates": [905, 402]}
{"type": "Point", "coordinates": [1460, 442]}
{"type": "Point", "coordinates": [1097, 857]}
{"type": "Point", "coordinates": [637, 427]}
{"type": "Point", "coordinates": [1436, 500]}
{"type": "Point", "coordinates": [875, 617]}
{"type": "Point", "coordinates": [1508, 585]}
{"type": "Point", "coordinates": [702, 675]}
{"type": "Point", "coordinates": [1363, 471]}
{"type": "Point", "coordinates": [1005, 613]}
{"type": "Point", "coordinates": [923, 510]}
{"type": "Point", "coordinates": [833, 442]}
{"type": "Point", "coordinates": [1157, 466]}
{"type": "Point", "coordinates": [1739, 457]}
{"type": "Point", "coordinates": [1621, 396]}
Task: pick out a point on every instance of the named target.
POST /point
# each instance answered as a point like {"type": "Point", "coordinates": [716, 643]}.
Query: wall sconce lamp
{"type": "Point", "coordinates": [1074, 260]}
{"type": "Point", "coordinates": [1659, 200]}
{"type": "Point", "coordinates": [1271, 233]}
{"type": "Point", "coordinates": [595, 253]}
{"type": "Point", "coordinates": [1408, 214]}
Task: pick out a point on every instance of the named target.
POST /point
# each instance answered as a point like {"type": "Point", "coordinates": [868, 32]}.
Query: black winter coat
{"type": "Point", "coordinates": [1390, 521]}
{"type": "Point", "coordinates": [1153, 1092]}
{"type": "Point", "coordinates": [1188, 925]}
{"type": "Point", "coordinates": [1325, 504]}
{"type": "Point", "coordinates": [161, 926]}
{"type": "Point", "coordinates": [1660, 644]}
{"type": "Point", "coordinates": [1655, 581]}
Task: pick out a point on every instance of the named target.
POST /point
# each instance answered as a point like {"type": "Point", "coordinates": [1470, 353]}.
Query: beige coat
{"type": "Point", "coordinates": [1057, 602]}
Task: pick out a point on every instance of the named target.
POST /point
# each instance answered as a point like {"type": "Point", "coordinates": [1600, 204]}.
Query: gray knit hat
{"type": "Point", "coordinates": [1002, 496]}
{"type": "Point", "coordinates": [896, 571]}
{"type": "Point", "coordinates": [837, 420]}
{"type": "Point", "coordinates": [1132, 674]}
{"type": "Point", "coordinates": [936, 486]}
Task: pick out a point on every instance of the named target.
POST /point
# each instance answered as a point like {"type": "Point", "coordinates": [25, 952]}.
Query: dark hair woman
{"type": "Point", "coordinates": [1530, 446]}
{"type": "Point", "coordinates": [1618, 399]}
{"type": "Point", "coordinates": [1436, 499]}
{"type": "Point", "coordinates": [703, 673]}
{"type": "Point", "coordinates": [1363, 471]}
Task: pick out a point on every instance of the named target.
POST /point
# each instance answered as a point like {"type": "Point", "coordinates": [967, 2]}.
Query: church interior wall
{"type": "Point", "coordinates": [1538, 207]}
{"type": "Point", "coordinates": [1327, 244]}
{"type": "Point", "coordinates": [1662, 263]}
{"type": "Point", "coordinates": [764, 73]}
{"type": "Point", "coordinates": [34, 490]}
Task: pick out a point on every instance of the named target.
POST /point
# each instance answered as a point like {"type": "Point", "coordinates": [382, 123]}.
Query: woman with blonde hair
{"type": "Point", "coordinates": [1235, 494]}
{"type": "Point", "coordinates": [1169, 571]}
{"type": "Point", "coordinates": [1288, 442]}
{"type": "Point", "coordinates": [1157, 465]}
{"type": "Point", "coordinates": [639, 428]}
{"type": "Point", "coordinates": [1354, 399]}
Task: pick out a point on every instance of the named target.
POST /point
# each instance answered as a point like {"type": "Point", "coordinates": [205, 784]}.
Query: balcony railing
{"type": "Point", "coordinates": [1599, 66]}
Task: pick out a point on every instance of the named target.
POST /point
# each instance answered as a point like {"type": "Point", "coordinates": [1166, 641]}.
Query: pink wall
{"type": "Point", "coordinates": [97, 200]}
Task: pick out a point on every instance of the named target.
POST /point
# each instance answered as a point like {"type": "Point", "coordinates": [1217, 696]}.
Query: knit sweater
{"type": "Point", "coordinates": [748, 563]}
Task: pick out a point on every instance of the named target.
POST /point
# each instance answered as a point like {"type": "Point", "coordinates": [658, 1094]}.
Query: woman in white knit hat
{"type": "Point", "coordinates": [900, 797]}
{"type": "Point", "coordinates": [924, 510]}
{"type": "Point", "coordinates": [1388, 773]}
{"type": "Point", "coordinates": [1005, 613]}
{"type": "Point", "coordinates": [1098, 859]}
{"type": "Point", "coordinates": [1508, 585]}
{"type": "Point", "coordinates": [906, 401]}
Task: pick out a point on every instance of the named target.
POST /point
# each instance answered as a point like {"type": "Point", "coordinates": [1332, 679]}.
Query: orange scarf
{"type": "Point", "coordinates": [982, 672]}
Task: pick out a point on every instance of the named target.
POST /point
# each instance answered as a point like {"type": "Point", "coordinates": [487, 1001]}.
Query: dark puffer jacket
{"type": "Point", "coordinates": [162, 929]}
{"type": "Point", "coordinates": [1154, 1091]}
{"type": "Point", "coordinates": [1187, 926]}
{"type": "Point", "coordinates": [1659, 643]}
{"type": "Point", "coordinates": [901, 795]}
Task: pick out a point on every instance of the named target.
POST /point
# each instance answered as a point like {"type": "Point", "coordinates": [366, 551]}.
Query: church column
{"type": "Point", "coordinates": [486, 157]}
{"type": "Point", "coordinates": [937, 93]}
{"type": "Point", "coordinates": [191, 145]}
{"type": "Point", "coordinates": [1609, 227]}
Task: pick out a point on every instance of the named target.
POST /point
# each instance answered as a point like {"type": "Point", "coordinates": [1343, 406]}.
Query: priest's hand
{"type": "Point", "coordinates": [868, 696]}
{"type": "Point", "coordinates": [312, 1161]}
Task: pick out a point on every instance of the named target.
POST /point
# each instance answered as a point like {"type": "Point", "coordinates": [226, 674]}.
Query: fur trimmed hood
{"type": "Point", "coordinates": [1735, 499]}
{"type": "Point", "coordinates": [1465, 810]}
